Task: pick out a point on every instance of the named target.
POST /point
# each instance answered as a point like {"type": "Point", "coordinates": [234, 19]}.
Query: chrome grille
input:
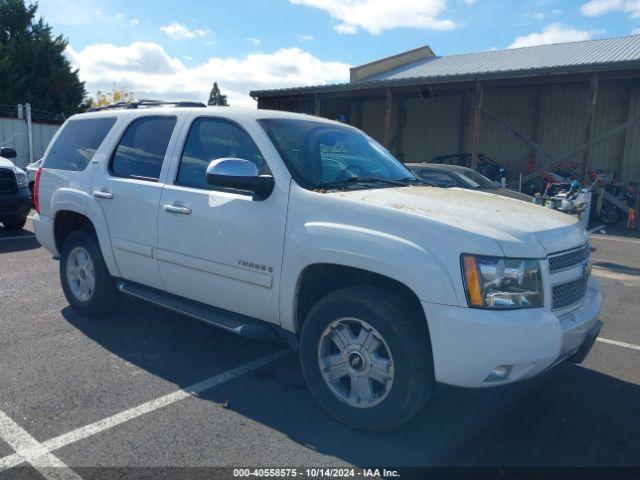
{"type": "Point", "coordinates": [569, 293]}
{"type": "Point", "coordinates": [569, 259]}
{"type": "Point", "coordinates": [7, 181]}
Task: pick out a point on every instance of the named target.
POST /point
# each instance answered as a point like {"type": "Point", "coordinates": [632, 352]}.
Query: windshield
{"type": "Point", "coordinates": [320, 155]}
{"type": "Point", "coordinates": [476, 180]}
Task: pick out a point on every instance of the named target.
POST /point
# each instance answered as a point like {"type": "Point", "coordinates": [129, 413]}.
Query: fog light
{"type": "Point", "coordinates": [500, 373]}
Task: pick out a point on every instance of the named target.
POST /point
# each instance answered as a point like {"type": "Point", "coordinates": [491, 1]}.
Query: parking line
{"type": "Point", "coordinates": [618, 344]}
{"type": "Point", "coordinates": [33, 452]}
{"type": "Point", "coordinates": [65, 439]}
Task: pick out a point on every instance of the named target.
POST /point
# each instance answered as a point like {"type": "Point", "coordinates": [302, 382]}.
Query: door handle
{"type": "Point", "coordinates": [177, 209]}
{"type": "Point", "coordinates": [102, 194]}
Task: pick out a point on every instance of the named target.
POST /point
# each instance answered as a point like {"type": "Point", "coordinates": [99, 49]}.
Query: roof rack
{"type": "Point", "coordinates": [146, 103]}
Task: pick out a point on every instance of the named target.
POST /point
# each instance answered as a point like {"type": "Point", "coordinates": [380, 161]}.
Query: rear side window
{"type": "Point", "coordinates": [77, 143]}
{"type": "Point", "coordinates": [142, 148]}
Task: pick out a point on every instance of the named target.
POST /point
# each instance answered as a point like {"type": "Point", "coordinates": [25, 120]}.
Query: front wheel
{"type": "Point", "coordinates": [366, 357]}
{"type": "Point", "coordinates": [610, 214]}
{"type": "Point", "coordinates": [86, 282]}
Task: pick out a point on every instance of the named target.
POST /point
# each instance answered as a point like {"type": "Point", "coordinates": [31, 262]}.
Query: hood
{"type": "Point", "coordinates": [503, 192]}
{"type": "Point", "coordinates": [6, 163]}
{"type": "Point", "coordinates": [521, 229]}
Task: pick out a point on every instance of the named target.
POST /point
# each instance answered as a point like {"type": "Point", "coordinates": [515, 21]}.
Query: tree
{"type": "Point", "coordinates": [33, 67]}
{"type": "Point", "coordinates": [216, 98]}
{"type": "Point", "coordinates": [116, 95]}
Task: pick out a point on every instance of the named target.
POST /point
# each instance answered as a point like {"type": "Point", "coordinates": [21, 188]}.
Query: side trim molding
{"type": "Point", "coordinates": [214, 268]}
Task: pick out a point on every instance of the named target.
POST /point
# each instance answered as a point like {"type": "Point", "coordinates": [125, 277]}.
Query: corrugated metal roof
{"type": "Point", "coordinates": [575, 56]}
{"type": "Point", "coordinates": [624, 49]}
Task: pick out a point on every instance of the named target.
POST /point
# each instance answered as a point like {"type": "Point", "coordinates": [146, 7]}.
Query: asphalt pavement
{"type": "Point", "coordinates": [127, 391]}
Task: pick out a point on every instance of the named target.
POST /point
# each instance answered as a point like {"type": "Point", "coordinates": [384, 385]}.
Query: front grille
{"type": "Point", "coordinates": [569, 293]}
{"type": "Point", "coordinates": [7, 181]}
{"type": "Point", "coordinates": [569, 259]}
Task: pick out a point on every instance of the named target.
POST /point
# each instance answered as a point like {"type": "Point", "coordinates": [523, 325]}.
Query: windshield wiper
{"type": "Point", "coordinates": [420, 181]}
{"type": "Point", "coordinates": [416, 180]}
{"type": "Point", "coordinates": [361, 180]}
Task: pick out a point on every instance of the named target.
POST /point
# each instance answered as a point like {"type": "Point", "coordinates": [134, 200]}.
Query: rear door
{"type": "Point", "coordinates": [128, 190]}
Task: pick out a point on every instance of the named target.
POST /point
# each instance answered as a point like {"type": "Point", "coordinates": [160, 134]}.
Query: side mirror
{"type": "Point", "coordinates": [239, 174]}
{"type": "Point", "coordinates": [8, 152]}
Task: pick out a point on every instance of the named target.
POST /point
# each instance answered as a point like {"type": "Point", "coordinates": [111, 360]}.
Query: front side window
{"type": "Point", "coordinates": [78, 142]}
{"type": "Point", "coordinates": [211, 139]}
{"type": "Point", "coordinates": [321, 155]}
{"type": "Point", "coordinates": [142, 148]}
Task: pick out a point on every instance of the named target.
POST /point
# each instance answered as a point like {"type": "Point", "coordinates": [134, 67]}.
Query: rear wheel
{"type": "Point", "coordinates": [366, 357]}
{"type": "Point", "coordinates": [84, 276]}
{"type": "Point", "coordinates": [15, 223]}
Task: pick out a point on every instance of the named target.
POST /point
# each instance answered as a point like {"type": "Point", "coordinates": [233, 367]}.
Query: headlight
{"type": "Point", "coordinates": [21, 180]}
{"type": "Point", "coordinates": [502, 283]}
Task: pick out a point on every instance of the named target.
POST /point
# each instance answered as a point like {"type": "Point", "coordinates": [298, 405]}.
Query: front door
{"type": "Point", "coordinates": [221, 247]}
{"type": "Point", "coordinates": [129, 193]}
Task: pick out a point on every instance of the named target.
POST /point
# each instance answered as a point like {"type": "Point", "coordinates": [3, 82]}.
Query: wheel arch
{"type": "Point", "coordinates": [69, 219]}
{"type": "Point", "coordinates": [319, 279]}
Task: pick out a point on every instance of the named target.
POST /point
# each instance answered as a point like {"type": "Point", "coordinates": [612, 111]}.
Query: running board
{"type": "Point", "coordinates": [231, 322]}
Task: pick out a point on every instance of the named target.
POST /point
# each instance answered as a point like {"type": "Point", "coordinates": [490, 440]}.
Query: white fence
{"type": "Point", "coordinates": [14, 133]}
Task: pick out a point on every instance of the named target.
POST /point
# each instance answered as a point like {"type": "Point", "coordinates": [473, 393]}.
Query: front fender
{"type": "Point", "coordinates": [366, 249]}
{"type": "Point", "coordinates": [70, 200]}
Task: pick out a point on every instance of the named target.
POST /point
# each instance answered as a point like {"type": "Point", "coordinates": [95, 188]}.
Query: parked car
{"type": "Point", "coordinates": [447, 176]}
{"type": "Point", "coordinates": [32, 170]}
{"type": "Point", "coordinates": [487, 167]}
{"type": "Point", "coordinates": [280, 225]}
{"type": "Point", "coordinates": [15, 199]}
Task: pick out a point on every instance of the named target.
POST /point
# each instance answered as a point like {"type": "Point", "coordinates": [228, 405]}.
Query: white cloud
{"type": "Point", "coordinates": [376, 16]}
{"type": "Point", "coordinates": [538, 16]}
{"type": "Point", "coordinates": [134, 21]}
{"type": "Point", "coordinates": [554, 33]}
{"type": "Point", "coordinates": [254, 41]}
{"type": "Point", "coordinates": [632, 7]}
{"type": "Point", "coordinates": [635, 31]}
{"type": "Point", "coordinates": [149, 72]}
{"type": "Point", "coordinates": [470, 2]}
{"type": "Point", "coordinates": [306, 38]}
{"type": "Point", "coordinates": [596, 8]}
{"type": "Point", "coordinates": [177, 31]}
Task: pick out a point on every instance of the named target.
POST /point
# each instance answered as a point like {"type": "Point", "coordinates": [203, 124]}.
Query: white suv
{"type": "Point", "coordinates": [273, 224]}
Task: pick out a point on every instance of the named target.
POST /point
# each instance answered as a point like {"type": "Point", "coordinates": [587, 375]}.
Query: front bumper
{"type": "Point", "coordinates": [15, 205]}
{"type": "Point", "coordinates": [468, 344]}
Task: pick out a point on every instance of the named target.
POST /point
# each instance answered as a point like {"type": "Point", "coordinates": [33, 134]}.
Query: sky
{"type": "Point", "coordinates": [175, 50]}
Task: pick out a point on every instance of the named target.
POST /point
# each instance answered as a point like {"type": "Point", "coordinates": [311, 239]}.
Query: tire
{"type": "Point", "coordinates": [401, 330]}
{"type": "Point", "coordinates": [15, 223]}
{"type": "Point", "coordinates": [610, 214]}
{"type": "Point", "coordinates": [100, 299]}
